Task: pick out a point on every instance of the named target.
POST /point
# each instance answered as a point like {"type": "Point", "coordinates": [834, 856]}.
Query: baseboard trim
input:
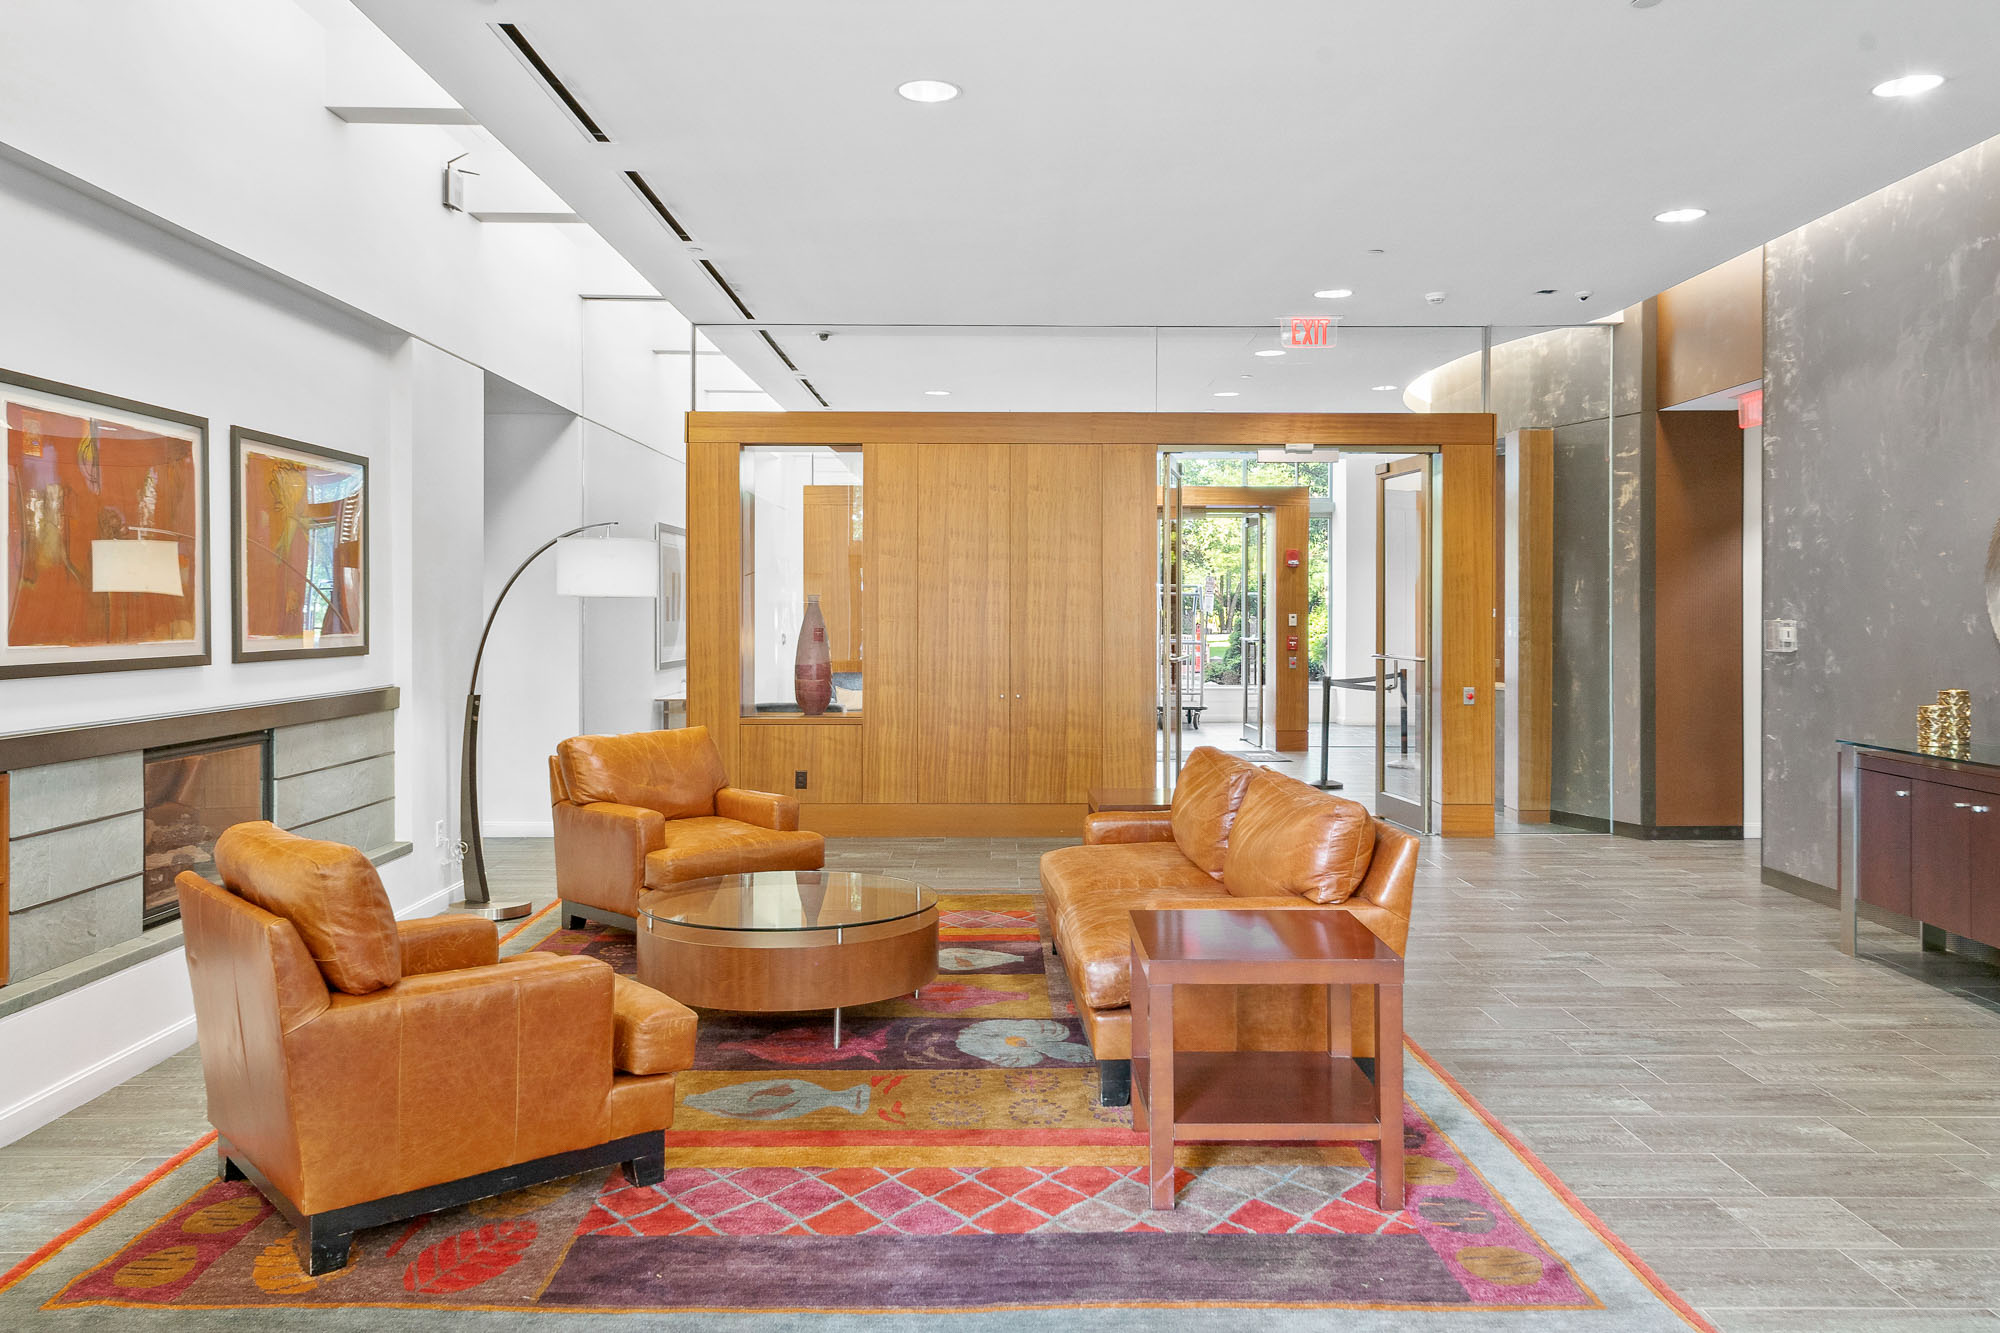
{"type": "Point", "coordinates": [1819, 893]}
{"type": "Point", "coordinates": [1588, 823]}
{"type": "Point", "coordinates": [1679, 832]}
{"type": "Point", "coordinates": [60, 1098]}
{"type": "Point", "coordinates": [517, 828]}
{"type": "Point", "coordinates": [943, 821]}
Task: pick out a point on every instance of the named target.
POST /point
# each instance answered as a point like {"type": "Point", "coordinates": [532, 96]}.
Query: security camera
{"type": "Point", "coordinates": [824, 335]}
{"type": "Point", "coordinates": [1583, 295]}
{"type": "Point", "coordinates": [1435, 298]}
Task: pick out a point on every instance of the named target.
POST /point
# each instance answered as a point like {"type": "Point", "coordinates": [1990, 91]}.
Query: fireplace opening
{"type": "Point", "coordinates": [193, 793]}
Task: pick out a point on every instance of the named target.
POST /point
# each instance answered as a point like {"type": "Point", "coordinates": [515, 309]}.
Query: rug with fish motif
{"type": "Point", "coordinates": [948, 1155]}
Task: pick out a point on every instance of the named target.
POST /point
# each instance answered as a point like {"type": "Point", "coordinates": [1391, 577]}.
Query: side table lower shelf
{"type": "Point", "coordinates": [1267, 1095]}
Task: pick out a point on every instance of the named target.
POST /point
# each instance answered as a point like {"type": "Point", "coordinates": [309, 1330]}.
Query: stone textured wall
{"type": "Point", "coordinates": [1881, 480]}
{"type": "Point", "coordinates": [76, 833]}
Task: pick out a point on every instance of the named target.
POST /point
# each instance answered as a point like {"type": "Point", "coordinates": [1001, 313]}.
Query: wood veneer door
{"type": "Point", "coordinates": [1982, 868]}
{"type": "Point", "coordinates": [965, 752]}
{"type": "Point", "coordinates": [1884, 863]}
{"type": "Point", "coordinates": [1939, 847]}
{"type": "Point", "coordinates": [1056, 622]}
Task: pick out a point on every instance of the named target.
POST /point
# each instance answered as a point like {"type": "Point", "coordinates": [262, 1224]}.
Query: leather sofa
{"type": "Point", "coordinates": [1237, 836]}
{"type": "Point", "coordinates": [655, 808]}
{"type": "Point", "coordinates": [361, 1070]}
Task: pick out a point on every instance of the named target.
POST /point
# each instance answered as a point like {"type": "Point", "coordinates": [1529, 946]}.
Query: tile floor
{"type": "Point", "coordinates": [1793, 1138]}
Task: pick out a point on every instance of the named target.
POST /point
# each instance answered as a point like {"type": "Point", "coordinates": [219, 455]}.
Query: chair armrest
{"type": "Point", "coordinates": [651, 1033]}
{"type": "Point", "coordinates": [447, 943]}
{"type": "Point", "coordinates": [762, 808]}
{"type": "Point", "coordinates": [1110, 826]}
{"type": "Point", "coordinates": [601, 852]}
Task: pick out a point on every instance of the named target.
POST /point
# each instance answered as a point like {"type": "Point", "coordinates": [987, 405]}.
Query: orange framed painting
{"type": "Point", "coordinates": [105, 507]}
{"type": "Point", "coordinates": [299, 558]}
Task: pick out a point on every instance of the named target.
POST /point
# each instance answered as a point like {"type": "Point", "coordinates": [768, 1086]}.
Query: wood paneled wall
{"type": "Point", "coordinates": [1697, 668]}
{"type": "Point", "coordinates": [833, 567]}
{"type": "Point", "coordinates": [1464, 646]}
{"type": "Point", "coordinates": [1711, 331]}
{"type": "Point", "coordinates": [1013, 553]}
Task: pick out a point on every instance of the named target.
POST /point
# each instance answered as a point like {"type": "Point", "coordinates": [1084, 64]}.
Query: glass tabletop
{"type": "Point", "coordinates": [782, 900]}
{"type": "Point", "coordinates": [1981, 753]}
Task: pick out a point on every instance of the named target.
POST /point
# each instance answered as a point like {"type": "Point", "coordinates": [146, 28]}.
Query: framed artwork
{"type": "Point", "coordinates": [105, 505]}
{"type": "Point", "coordinates": [670, 607]}
{"type": "Point", "coordinates": [299, 559]}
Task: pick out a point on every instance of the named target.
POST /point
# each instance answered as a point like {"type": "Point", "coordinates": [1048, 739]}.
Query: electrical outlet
{"type": "Point", "coordinates": [799, 779]}
{"type": "Point", "coordinates": [439, 842]}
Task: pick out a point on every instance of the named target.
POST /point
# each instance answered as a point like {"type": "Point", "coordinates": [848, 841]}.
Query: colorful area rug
{"type": "Point", "coordinates": [949, 1155]}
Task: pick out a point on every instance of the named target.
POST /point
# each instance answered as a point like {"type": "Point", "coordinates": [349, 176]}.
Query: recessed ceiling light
{"type": "Point", "coordinates": [1910, 85]}
{"type": "Point", "coordinates": [1334, 294]}
{"type": "Point", "coordinates": [1386, 388]}
{"type": "Point", "coordinates": [937, 393]}
{"type": "Point", "coordinates": [1680, 215]}
{"type": "Point", "coordinates": [1271, 351]}
{"type": "Point", "coordinates": [928, 90]}
{"type": "Point", "coordinates": [1228, 393]}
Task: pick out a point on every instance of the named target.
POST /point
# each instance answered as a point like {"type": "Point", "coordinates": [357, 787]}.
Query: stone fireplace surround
{"type": "Point", "coordinates": [71, 884]}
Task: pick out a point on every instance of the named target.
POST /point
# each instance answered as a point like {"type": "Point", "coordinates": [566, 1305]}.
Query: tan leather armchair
{"type": "Point", "coordinates": [655, 808]}
{"type": "Point", "coordinates": [362, 1070]}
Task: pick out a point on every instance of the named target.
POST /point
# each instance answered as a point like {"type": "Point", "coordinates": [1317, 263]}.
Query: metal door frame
{"type": "Point", "coordinates": [1397, 809]}
{"type": "Point", "coordinates": [1256, 591]}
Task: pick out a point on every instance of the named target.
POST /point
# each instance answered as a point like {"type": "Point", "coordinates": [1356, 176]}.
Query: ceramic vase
{"type": "Point", "coordinates": [812, 670]}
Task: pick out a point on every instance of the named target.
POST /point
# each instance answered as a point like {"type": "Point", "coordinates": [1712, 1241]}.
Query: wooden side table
{"type": "Point", "coordinates": [1268, 1095]}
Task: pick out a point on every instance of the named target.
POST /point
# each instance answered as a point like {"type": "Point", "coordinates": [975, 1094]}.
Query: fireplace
{"type": "Point", "coordinates": [193, 793]}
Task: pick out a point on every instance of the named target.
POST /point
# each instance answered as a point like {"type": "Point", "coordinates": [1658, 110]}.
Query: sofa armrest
{"type": "Point", "coordinates": [651, 1033]}
{"type": "Point", "coordinates": [1109, 826]}
{"type": "Point", "coordinates": [762, 808]}
{"type": "Point", "coordinates": [601, 852]}
{"type": "Point", "coordinates": [447, 943]}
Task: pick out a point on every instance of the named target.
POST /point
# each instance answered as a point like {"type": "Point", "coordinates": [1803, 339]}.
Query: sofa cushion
{"type": "Point", "coordinates": [1290, 838]}
{"type": "Point", "coordinates": [1091, 892]}
{"type": "Point", "coordinates": [1206, 796]}
{"type": "Point", "coordinates": [674, 772]}
{"type": "Point", "coordinates": [328, 891]}
{"type": "Point", "coordinates": [699, 848]}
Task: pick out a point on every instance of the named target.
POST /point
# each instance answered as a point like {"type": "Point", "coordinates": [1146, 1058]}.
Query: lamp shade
{"type": "Point", "coordinates": [607, 567]}
{"type": "Point", "coordinates": [135, 566]}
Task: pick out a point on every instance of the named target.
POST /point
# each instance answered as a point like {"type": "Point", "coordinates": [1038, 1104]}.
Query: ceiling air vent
{"type": "Point", "coordinates": [773, 343]}
{"type": "Point", "coordinates": [814, 392]}
{"type": "Point", "coordinates": [728, 291]}
{"type": "Point", "coordinates": [559, 90]}
{"type": "Point", "coordinates": [645, 191]}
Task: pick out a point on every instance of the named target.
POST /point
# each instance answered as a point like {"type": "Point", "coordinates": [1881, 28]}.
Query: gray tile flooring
{"type": "Point", "coordinates": [1794, 1139]}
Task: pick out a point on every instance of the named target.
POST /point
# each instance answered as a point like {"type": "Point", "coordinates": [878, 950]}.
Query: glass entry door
{"type": "Point", "coordinates": [1402, 637]}
{"type": "Point", "coordinates": [1252, 627]}
{"type": "Point", "coordinates": [1171, 639]}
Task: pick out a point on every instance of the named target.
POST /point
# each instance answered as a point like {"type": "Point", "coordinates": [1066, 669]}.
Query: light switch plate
{"type": "Point", "coordinates": [1781, 636]}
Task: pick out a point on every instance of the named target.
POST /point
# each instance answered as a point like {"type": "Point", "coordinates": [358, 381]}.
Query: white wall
{"type": "Point", "coordinates": [532, 680]}
{"type": "Point", "coordinates": [197, 231]}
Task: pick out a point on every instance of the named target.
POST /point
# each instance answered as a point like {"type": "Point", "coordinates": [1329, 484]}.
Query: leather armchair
{"type": "Point", "coordinates": [653, 809]}
{"type": "Point", "coordinates": [362, 1070]}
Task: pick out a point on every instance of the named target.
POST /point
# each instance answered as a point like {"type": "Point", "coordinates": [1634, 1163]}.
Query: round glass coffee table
{"type": "Point", "coordinates": [782, 941]}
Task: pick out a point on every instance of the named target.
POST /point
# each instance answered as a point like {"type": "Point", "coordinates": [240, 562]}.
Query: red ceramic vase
{"type": "Point", "coordinates": [812, 671]}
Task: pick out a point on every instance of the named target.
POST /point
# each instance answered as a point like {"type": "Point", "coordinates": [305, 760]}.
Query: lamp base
{"type": "Point", "coordinates": [496, 910]}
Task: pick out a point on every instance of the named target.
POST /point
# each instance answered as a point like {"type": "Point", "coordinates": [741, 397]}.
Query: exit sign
{"type": "Point", "coordinates": [1307, 331]}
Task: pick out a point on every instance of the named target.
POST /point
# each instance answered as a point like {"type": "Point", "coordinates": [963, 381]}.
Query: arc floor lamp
{"type": "Point", "coordinates": [602, 566]}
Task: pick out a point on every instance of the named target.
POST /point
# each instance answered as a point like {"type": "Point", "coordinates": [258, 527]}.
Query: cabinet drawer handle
{"type": "Point", "coordinates": [1981, 809]}
{"type": "Point", "coordinates": [1962, 805]}
{"type": "Point", "coordinates": [1903, 793]}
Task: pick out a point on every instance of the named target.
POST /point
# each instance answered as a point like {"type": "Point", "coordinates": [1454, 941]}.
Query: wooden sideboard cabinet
{"type": "Point", "coordinates": [1920, 836]}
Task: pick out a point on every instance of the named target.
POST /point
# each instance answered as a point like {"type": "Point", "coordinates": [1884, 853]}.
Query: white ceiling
{"type": "Point", "coordinates": [1187, 162]}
